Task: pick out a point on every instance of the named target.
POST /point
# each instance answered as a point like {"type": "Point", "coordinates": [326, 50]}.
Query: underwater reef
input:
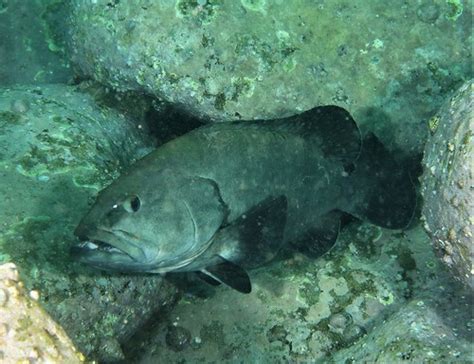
{"type": "Point", "coordinates": [390, 63]}
{"type": "Point", "coordinates": [88, 87]}
{"type": "Point", "coordinates": [447, 184]}
{"type": "Point", "coordinates": [32, 50]}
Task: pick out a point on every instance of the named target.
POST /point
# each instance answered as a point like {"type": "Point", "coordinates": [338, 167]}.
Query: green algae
{"type": "Point", "coordinates": [243, 86]}
{"type": "Point", "coordinates": [64, 150]}
{"type": "Point", "coordinates": [309, 293]}
{"type": "Point", "coordinates": [8, 117]}
{"type": "Point", "coordinates": [455, 9]}
{"type": "Point", "coordinates": [207, 40]}
{"type": "Point", "coordinates": [200, 11]}
{"type": "Point", "coordinates": [52, 20]}
{"type": "Point", "coordinates": [109, 320]}
{"type": "Point", "coordinates": [220, 101]}
{"type": "Point", "coordinates": [289, 64]}
{"type": "Point", "coordinates": [254, 5]}
{"type": "Point", "coordinates": [213, 332]}
{"type": "Point", "coordinates": [55, 153]}
{"type": "Point", "coordinates": [338, 340]}
{"type": "Point", "coordinates": [269, 54]}
{"type": "Point", "coordinates": [370, 287]}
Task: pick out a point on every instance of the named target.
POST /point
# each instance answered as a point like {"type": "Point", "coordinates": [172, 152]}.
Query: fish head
{"type": "Point", "coordinates": [148, 221]}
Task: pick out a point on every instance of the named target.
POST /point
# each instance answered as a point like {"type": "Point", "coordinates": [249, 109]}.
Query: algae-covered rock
{"type": "Point", "coordinates": [57, 149]}
{"type": "Point", "coordinates": [55, 130]}
{"type": "Point", "coordinates": [389, 63]}
{"type": "Point", "coordinates": [303, 310]}
{"type": "Point", "coordinates": [27, 333]}
{"type": "Point", "coordinates": [447, 183]}
{"type": "Point", "coordinates": [414, 334]}
{"type": "Point", "coordinates": [31, 48]}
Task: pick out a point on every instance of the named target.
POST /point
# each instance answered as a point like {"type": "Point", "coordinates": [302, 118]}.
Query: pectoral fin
{"type": "Point", "coordinates": [256, 236]}
{"type": "Point", "coordinates": [207, 278]}
{"type": "Point", "coordinates": [229, 274]}
{"type": "Point", "coordinates": [251, 240]}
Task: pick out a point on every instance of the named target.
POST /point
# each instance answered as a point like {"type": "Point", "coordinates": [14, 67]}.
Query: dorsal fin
{"type": "Point", "coordinates": [338, 133]}
{"type": "Point", "coordinates": [331, 127]}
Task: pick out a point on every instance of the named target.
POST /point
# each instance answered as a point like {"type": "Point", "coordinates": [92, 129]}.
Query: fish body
{"type": "Point", "coordinates": [228, 195]}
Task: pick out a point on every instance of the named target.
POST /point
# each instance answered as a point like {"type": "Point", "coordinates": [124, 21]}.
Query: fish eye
{"type": "Point", "coordinates": [132, 204]}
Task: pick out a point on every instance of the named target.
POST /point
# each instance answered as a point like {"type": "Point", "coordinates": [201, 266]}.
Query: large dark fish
{"type": "Point", "coordinates": [229, 195]}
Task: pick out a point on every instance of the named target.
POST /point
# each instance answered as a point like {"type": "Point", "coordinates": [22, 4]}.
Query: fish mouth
{"type": "Point", "coordinates": [89, 245]}
{"type": "Point", "coordinates": [109, 250]}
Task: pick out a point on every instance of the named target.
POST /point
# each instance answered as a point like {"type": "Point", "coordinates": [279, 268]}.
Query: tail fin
{"type": "Point", "coordinates": [388, 197]}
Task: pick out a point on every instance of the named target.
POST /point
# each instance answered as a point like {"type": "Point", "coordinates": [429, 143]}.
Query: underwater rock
{"type": "Point", "coordinates": [339, 322]}
{"type": "Point", "coordinates": [391, 64]}
{"type": "Point", "coordinates": [57, 149]}
{"type": "Point", "coordinates": [178, 338]}
{"type": "Point", "coordinates": [414, 334]}
{"type": "Point", "coordinates": [447, 184]}
{"type": "Point", "coordinates": [31, 48]}
{"type": "Point", "coordinates": [27, 333]}
{"type": "Point", "coordinates": [428, 11]}
{"type": "Point", "coordinates": [54, 130]}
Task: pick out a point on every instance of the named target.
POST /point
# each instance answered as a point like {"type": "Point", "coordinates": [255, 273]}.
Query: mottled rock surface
{"type": "Point", "coordinates": [414, 334]}
{"type": "Point", "coordinates": [447, 183]}
{"type": "Point", "coordinates": [27, 333]}
{"type": "Point", "coordinates": [31, 48]}
{"type": "Point", "coordinates": [58, 147]}
{"type": "Point", "coordinates": [389, 63]}
{"type": "Point", "coordinates": [304, 310]}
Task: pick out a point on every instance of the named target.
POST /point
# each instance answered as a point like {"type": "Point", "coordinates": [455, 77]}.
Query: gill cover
{"type": "Point", "coordinates": [185, 218]}
{"type": "Point", "coordinates": [155, 224]}
{"type": "Point", "coordinates": [204, 205]}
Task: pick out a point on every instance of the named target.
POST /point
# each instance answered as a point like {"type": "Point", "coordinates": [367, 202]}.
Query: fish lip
{"type": "Point", "coordinates": [87, 245]}
{"type": "Point", "coordinates": [108, 241]}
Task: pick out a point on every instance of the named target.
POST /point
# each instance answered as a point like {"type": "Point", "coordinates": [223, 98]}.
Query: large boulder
{"type": "Point", "coordinates": [58, 147]}
{"type": "Point", "coordinates": [390, 63]}
{"type": "Point", "coordinates": [31, 48]}
{"type": "Point", "coordinates": [414, 334]}
{"type": "Point", "coordinates": [27, 332]}
{"type": "Point", "coordinates": [447, 183]}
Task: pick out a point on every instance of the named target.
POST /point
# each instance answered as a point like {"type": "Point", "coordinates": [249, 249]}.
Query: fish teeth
{"type": "Point", "coordinates": [89, 245]}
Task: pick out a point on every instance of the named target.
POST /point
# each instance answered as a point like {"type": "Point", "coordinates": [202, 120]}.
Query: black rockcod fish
{"type": "Point", "coordinates": [227, 196]}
